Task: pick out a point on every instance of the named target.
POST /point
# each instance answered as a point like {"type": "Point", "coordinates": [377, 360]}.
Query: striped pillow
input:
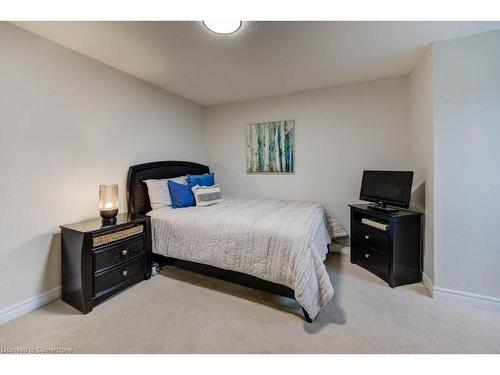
{"type": "Point", "coordinates": [207, 195]}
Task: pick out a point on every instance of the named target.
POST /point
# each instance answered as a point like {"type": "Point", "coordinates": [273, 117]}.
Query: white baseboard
{"type": "Point", "coordinates": [466, 299]}
{"type": "Point", "coordinates": [428, 284]}
{"type": "Point", "coordinates": [29, 305]}
{"type": "Point", "coordinates": [457, 297]}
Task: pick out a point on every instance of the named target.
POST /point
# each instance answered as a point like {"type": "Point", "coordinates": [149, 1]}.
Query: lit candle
{"type": "Point", "coordinates": [108, 201]}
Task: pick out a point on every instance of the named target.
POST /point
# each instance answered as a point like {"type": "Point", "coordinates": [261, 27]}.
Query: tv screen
{"type": "Point", "coordinates": [387, 187]}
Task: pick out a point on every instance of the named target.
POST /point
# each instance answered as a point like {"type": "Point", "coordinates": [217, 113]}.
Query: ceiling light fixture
{"type": "Point", "coordinates": [223, 27]}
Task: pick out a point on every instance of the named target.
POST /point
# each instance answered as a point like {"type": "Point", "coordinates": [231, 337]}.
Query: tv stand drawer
{"type": "Point", "coordinates": [372, 237]}
{"type": "Point", "coordinates": [371, 259]}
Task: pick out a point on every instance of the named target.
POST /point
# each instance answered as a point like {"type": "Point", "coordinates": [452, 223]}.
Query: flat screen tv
{"type": "Point", "coordinates": [387, 188]}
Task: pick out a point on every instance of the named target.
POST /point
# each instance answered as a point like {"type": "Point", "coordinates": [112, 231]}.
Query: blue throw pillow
{"type": "Point", "coordinates": [181, 195]}
{"type": "Point", "coordinates": [207, 179]}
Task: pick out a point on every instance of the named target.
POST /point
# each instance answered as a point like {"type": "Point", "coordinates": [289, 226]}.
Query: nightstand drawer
{"type": "Point", "coordinates": [114, 255]}
{"type": "Point", "coordinates": [120, 274]}
{"type": "Point", "coordinates": [371, 237]}
{"type": "Point", "coordinates": [371, 259]}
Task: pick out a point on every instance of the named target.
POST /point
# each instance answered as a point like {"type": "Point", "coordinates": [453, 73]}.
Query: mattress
{"type": "Point", "coordinates": [281, 241]}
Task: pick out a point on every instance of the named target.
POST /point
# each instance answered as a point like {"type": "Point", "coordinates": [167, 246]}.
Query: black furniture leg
{"type": "Point", "coordinates": [306, 316]}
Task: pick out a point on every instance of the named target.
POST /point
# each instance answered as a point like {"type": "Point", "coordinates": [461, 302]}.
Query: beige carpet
{"type": "Point", "coordinates": [182, 312]}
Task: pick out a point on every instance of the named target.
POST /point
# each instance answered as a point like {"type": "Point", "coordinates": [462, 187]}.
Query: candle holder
{"type": "Point", "coordinates": [108, 203]}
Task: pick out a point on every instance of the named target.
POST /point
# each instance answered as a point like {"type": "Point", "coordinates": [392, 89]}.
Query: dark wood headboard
{"type": "Point", "coordinates": [137, 191]}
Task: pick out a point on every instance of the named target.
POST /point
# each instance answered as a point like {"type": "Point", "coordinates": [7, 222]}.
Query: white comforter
{"type": "Point", "coordinates": [284, 242]}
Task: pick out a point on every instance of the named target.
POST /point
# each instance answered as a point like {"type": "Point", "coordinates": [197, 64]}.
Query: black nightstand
{"type": "Point", "coordinates": [98, 261]}
{"type": "Point", "coordinates": [393, 254]}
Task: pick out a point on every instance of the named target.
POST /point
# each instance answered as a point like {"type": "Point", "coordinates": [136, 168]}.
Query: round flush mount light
{"type": "Point", "coordinates": [223, 27]}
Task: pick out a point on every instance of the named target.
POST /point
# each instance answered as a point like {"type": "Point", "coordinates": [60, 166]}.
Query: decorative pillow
{"type": "Point", "coordinates": [180, 180]}
{"type": "Point", "coordinates": [207, 195]}
{"type": "Point", "coordinates": [181, 194]}
{"type": "Point", "coordinates": [207, 179]}
{"type": "Point", "coordinates": [159, 195]}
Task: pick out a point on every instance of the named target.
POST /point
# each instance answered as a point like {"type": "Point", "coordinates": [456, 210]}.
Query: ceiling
{"type": "Point", "coordinates": [261, 59]}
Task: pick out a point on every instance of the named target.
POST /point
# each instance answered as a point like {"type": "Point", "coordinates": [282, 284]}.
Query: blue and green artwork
{"type": "Point", "coordinates": [270, 147]}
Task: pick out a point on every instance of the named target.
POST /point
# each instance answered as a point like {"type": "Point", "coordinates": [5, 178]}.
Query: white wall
{"type": "Point", "coordinates": [421, 135]}
{"type": "Point", "coordinates": [67, 124]}
{"type": "Point", "coordinates": [467, 164]}
{"type": "Point", "coordinates": [339, 132]}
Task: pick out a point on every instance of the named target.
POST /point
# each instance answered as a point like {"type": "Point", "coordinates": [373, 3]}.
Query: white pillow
{"type": "Point", "coordinates": [180, 180]}
{"type": "Point", "coordinates": [207, 195]}
{"type": "Point", "coordinates": [159, 196]}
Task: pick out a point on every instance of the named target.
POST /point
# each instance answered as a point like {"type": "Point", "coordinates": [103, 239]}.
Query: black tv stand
{"type": "Point", "coordinates": [382, 207]}
{"type": "Point", "coordinates": [392, 252]}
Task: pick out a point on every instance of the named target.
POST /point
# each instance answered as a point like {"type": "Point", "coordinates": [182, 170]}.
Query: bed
{"type": "Point", "coordinates": [273, 245]}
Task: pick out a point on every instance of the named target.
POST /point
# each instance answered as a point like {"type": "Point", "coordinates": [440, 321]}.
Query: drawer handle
{"type": "Point", "coordinates": [367, 255]}
{"type": "Point", "coordinates": [367, 237]}
{"type": "Point", "coordinates": [124, 252]}
{"type": "Point", "coordinates": [124, 273]}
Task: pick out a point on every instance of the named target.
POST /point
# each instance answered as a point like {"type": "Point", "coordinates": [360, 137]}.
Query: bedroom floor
{"type": "Point", "coordinates": [182, 312]}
